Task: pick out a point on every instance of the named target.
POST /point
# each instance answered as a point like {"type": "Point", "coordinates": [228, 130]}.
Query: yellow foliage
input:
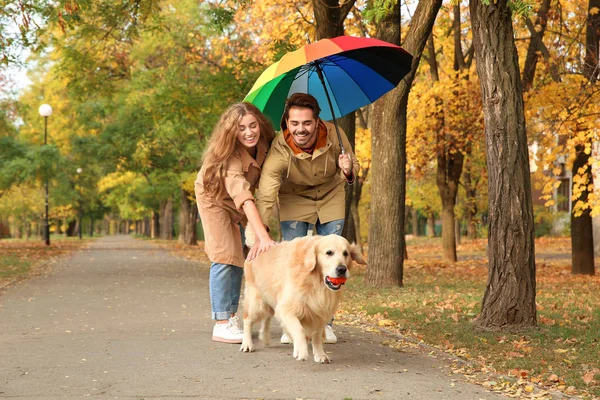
{"type": "Point", "coordinates": [362, 148]}
{"type": "Point", "coordinates": [115, 179]}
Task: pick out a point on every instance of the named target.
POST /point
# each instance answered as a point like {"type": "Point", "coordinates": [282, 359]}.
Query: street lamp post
{"type": "Point", "coordinates": [79, 171]}
{"type": "Point", "coordinates": [45, 111]}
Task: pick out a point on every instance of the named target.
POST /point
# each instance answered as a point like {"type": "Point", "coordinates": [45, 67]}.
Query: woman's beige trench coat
{"type": "Point", "coordinates": [221, 217]}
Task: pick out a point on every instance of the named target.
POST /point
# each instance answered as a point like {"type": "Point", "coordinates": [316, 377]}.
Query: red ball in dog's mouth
{"type": "Point", "coordinates": [334, 283]}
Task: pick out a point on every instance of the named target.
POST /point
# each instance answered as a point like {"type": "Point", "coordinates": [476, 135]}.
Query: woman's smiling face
{"type": "Point", "coordinates": [248, 131]}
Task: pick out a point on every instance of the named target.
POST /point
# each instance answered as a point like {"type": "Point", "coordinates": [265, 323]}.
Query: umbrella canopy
{"type": "Point", "coordinates": [354, 72]}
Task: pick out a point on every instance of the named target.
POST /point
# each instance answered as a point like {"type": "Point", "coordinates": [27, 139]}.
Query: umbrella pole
{"type": "Point", "coordinates": [337, 130]}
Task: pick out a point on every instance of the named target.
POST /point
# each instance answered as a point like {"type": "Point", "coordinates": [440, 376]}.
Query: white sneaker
{"type": "Point", "coordinates": [285, 339]}
{"type": "Point", "coordinates": [227, 333]}
{"type": "Point", "coordinates": [330, 337]}
{"type": "Point", "coordinates": [235, 324]}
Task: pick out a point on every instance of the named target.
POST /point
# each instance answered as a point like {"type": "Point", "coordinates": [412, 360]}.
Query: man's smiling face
{"type": "Point", "coordinates": [303, 127]}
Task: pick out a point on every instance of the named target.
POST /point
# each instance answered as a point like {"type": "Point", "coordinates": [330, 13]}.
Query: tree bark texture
{"type": "Point", "coordinates": [591, 68]}
{"type": "Point", "coordinates": [535, 45]}
{"type": "Point", "coordinates": [188, 216]}
{"type": "Point", "coordinates": [582, 237]}
{"type": "Point", "coordinates": [430, 225]}
{"type": "Point", "coordinates": [471, 193]}
{"type": "Point", "coordinates": [330, 16]}
{"type": "Point", "coordinates": [449, 169]}
{"type": "Point", "coordinates": [166, 219]}
{"type": "Point", "coordinates": [155, 227]}
{"type": "Point", "coordinates": [509, 300]}
{"type": "Point", "coordinates": [386, 231]}
{"type": "Point", "coordinates": [71, 228]}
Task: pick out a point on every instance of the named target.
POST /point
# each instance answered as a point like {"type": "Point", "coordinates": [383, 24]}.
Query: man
{"type": "Point", "coordinates": [306, 171]}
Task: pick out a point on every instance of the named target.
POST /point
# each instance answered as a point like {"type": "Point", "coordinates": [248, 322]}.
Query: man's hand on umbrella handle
{"type": "Point", "coordinates": [345, 163]}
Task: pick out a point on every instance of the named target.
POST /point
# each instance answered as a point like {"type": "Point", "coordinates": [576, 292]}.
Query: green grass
{"type": "Point", "coordinates": [13, 267]}
{"type": "Point", "coordinates": [438, 305]}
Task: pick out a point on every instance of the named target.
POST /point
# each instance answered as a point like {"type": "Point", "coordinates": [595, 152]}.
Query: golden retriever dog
{"type": "Point", "coordinates": [299, 282]}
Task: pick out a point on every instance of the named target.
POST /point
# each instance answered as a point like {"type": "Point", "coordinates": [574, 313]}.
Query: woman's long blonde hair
{"type": "Point", "coordinates": [223, 142]}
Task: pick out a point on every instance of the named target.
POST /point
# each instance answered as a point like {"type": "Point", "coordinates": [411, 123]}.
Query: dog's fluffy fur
{"type": "Point", "coordinates": [291, 282]}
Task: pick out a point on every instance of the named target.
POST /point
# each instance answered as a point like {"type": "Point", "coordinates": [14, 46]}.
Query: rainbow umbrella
{"type": "Point", "coordinates": [345, 72]}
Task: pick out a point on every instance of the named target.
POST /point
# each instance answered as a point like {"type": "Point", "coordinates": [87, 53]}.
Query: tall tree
{"type": "Point", "coordinates": [582, 240]}
{"type": "Point", "coordinates": [389, 117]}
{"type": "Point", "coordinates": [509, 299]}
{"type": "Point", "coordinates": [446, 119]}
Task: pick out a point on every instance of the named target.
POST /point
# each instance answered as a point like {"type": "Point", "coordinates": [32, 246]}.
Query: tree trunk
{"type": "Point", "coordinates": [449, 168]}
{"type": "Point", "coordinates": [71, 228]}
{"type": "Point", "coordinates": [449, 157]}
{"type": "Point", "coordinates": [166, 219]}
{"type": "Point", "coordinates": [348, 124]}
{"type": "Point", "coordinates": [430, 225]}
{"type": "Point", "coordinates": [330, 16]}
{"type": "Point", "coordinates": [106, 226]}
{"type": "Point", "coordinates": [386, 233]}
{"type": "Point", "coordinates": [592, 43]}
{"type": "Point", "coordinates": [457, 231]}
{"type": "Point", "coordinates": [414, 215]}
{"type": "Point", "coordinates": [188, 215]}
{"type": "Point", "coordinates": [91, 224]}
{"type": "Point", "coordinates": [471, 193]}
{"type": "Point", "coordinates": [155, 225]}
{"type": "Point", "coordinates": [509, 300]}
{"type": "Point", "coordinates": [534, 48]}
{"type": "Point", "coordinates": [582, 239]}
{"type": "Point", "coordinates": [147, 227]}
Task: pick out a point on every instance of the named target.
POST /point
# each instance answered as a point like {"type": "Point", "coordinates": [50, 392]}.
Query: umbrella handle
{"type": "Point", "coordinates": [337, 130]}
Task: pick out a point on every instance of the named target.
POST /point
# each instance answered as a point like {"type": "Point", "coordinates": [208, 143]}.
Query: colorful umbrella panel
{"type": "Point", "coordinates": [358, 72]}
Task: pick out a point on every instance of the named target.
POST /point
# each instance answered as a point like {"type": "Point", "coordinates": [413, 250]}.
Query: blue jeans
{"type": "Point", "coordinates": [225, 285]}
{"type": "Point", "coordinates": [294, 229]}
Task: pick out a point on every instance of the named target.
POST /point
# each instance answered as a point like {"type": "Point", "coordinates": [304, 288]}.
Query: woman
{"type": "Point", "coordinates": [224, 193]}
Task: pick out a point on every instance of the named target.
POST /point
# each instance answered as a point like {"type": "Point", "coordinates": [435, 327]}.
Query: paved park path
{"type": "Point", "coordinates": [124, 319]}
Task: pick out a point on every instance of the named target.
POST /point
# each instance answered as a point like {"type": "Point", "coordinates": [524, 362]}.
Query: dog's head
{"type": "Point", "coordinates": [332, 259]}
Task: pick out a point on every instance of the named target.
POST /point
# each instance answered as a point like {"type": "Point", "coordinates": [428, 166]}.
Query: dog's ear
{"type": "Point", "coordinates": [310, 251]}
{"type": "Point", "coordinates": [356, 255]}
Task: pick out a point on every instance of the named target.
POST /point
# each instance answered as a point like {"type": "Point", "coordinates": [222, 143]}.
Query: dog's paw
{"type": "Point", "coordinates": [322, 358]}
{"type": "Point", "coordinates": [301, 353]}
{"type": "Point", "coordinates": [247, 347]}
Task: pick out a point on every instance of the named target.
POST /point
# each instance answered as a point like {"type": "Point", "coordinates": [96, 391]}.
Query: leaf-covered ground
{"type": "Point", "coordinates": [20, 258]}
{"type": "Point", "coordinates": [439, 302]}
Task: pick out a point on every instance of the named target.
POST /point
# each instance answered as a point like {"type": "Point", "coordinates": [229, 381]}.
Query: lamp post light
{"type": "Point", "coordinates": [79, 171]}
{"type": "Point", "coordinates": [45, 111]}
